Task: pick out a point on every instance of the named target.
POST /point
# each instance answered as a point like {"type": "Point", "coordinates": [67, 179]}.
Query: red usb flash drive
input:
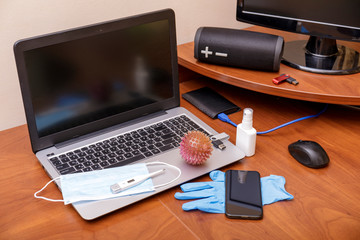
{"type": "Point", "coordinates": [280, 78]}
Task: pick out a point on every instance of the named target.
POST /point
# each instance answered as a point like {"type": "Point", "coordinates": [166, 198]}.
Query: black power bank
{"type": "Point", "coordinates": [210, 102]}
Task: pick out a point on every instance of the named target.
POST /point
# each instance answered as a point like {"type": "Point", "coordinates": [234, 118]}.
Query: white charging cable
{"type": "Point", "coordinates": [169, 165]}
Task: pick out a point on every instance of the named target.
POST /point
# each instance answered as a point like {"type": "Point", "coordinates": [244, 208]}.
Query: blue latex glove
{"type": "Point", "coordinates": [273, 189]}
{"type": "Point", "coordinates": [212, 194]}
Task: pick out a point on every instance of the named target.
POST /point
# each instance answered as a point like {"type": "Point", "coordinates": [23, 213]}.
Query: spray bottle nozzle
{"type": "Point", "coordinates": [247, 119]}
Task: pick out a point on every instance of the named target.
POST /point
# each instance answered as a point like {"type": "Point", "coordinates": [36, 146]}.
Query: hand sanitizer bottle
{"type": "Point", "coordinates": [246, 134]}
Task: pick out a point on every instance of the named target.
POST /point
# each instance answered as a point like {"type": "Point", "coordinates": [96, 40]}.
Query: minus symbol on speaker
{"type": "Point", "coordinates": [221, 54]}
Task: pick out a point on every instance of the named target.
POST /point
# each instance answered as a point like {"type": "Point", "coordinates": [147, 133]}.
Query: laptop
{"type": "Point", "coordinates": [100, 87]}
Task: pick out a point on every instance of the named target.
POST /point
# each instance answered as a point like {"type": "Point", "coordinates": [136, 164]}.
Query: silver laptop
{"type": "Point", "coordinates": [100, 88]}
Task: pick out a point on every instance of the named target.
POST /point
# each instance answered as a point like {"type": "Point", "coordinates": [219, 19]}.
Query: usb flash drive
{"type": "Point", "coordinates": [285, 77]}
{"type": "Point", "coordinates": [292, 81]}
{"type": "Point", "coordinates": [280, 79]}
{"type": "Point", "coordinates": [217, 140]}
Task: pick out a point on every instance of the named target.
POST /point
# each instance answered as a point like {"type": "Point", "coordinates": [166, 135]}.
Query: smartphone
{"type": "Point", "coordinates": [243, 194]}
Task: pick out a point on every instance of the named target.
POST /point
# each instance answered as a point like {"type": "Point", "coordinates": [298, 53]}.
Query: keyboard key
{"type": "Point", "coordinates": [158, 144]}
{"type": "Point", "coordinates": [113, 149]}
{"type": "Point", "coordinates": [148, 154]}
{"type": "Point", "coordinates": [104, 164]}
{"type": "Point", "coordinates": [62, 166]}
{"type": "Point", "coordinates": [128, 155]}
{"type": "Point", "coordinates": [98, 149]}
{"type": "Point", "coordinates": [94, 161]}
{"type": "Point", "coordinates": [151, 147]}
{"type": "Point", "coordinates": [54, 159]}
{"type": "Point", "coordinates": [144, 149]}
{"type": "Point", "coordinates": [120, 152]}
{"type": "Point", "coordinates": [67, 171]}
{"type": "Point", "coordinates": [168, 141]}
{"type": "Point", "coordinates": [89, 157]}
{"type": "Point", "coordinates": [87, 164]}
{"type": "Point", "coordinates": [82, 154]}
{"type": "Point", "coordinates": [56, 162]}
{"type": "Point", "coordinates": [165, 148]}
{"type": "Point", "coordinates": [106, 151]}
{"type": "Point", "coordinates": [155, 151]}
{"type": "Point", "coordinates": [160, 128]}
{"type": "Point", "coordinates": [73, 162]}
{"type": "Point", "coordinates": [96, 167]}
{"type": "Point", "coordinates": [169, 135]}
{"type": "Point", "coordinates": [98, 154]}
{"type": "Point", "coordinates": [79, 166]}
{"type": "Point", "coordinates": [127, 149]}
{"type": "Point", "coordinates": [136, 152]}
{"type": "Point", "coordinates": [90, 151]}
{"type": "Point", "coordinates": [112, 161]}
{"type": "Point", "coordinates": [66, 159]}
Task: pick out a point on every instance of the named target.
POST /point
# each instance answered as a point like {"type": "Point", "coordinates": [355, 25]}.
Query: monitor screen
{"type": "Point", "coordinates": [324, 20]}
{"type": "Point", "coordinates": [344, 13]}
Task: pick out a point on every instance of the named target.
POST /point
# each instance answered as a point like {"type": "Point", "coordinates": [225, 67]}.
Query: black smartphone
{"type": "Point", "coordinates": [243, 195]}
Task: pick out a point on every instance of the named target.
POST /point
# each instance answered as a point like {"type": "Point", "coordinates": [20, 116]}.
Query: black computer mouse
{"type": "Point", "coordinates": [309, 153]}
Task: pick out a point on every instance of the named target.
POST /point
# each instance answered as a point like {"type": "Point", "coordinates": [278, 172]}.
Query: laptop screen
{"type": "Point", "coordinates": [83, 80]}
{"type": "Point", "coordinates": [79, 81]}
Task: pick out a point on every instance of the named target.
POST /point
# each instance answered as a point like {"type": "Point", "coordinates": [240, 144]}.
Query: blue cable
{"type": "Point", "coordinates": [223, 117]}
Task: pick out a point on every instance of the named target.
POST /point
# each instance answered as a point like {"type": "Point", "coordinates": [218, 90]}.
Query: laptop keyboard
{"type": "Point", "coordinates": [126, 148]}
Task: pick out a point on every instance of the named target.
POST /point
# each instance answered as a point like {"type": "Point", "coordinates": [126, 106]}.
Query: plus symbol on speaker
{"type": "Point", "coordinates": [206, 52]}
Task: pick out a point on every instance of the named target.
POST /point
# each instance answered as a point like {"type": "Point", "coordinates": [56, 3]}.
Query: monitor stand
{"type": "Point", "coordinates": [321, 55]}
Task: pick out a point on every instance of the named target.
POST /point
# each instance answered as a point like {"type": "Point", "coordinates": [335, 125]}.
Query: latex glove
{"type": "Point", "coordinates": [211, 194]}
{"type": "Point", "coordinates": [273, 189]}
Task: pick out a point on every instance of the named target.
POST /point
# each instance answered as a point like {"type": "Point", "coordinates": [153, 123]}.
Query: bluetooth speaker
{"type": "Point", "coordinates": [238, 48]}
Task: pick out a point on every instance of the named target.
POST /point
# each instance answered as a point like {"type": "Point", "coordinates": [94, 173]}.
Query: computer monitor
{"type": "Point", "coordinates": [324, 20]}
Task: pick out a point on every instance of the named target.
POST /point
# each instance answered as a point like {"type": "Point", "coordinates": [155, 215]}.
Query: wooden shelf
{"type": "Point", "coordinates": [337, 89]}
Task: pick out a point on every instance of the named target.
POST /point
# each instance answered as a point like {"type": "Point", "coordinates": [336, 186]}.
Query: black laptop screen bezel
{"type": "Point", "coordinates": [38, 143]}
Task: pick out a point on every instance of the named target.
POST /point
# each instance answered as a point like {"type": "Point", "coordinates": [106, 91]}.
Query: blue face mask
{"type": "Point", "coordinates": [95, 185]}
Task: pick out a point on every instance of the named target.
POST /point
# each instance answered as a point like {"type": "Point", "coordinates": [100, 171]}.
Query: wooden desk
{"type": "Point", "coordinates": [326, 203]}
{"type": "Point", "coordinates": [338, 89]}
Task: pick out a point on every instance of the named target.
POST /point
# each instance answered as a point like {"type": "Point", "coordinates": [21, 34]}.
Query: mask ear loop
{"type": "Point", "coordinates": [45, 198]}
{"type": "Point", "coordinates": [169, 165]}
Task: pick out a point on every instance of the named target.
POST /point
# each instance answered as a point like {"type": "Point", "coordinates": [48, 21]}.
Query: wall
{"type": "Point", "coordinates": [21, 19]}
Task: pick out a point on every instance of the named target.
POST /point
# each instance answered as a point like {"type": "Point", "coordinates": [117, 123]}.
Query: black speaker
{"type": "Point", "coordinates": [238, 48]}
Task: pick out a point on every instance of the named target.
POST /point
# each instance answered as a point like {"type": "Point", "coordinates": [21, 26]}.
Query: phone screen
{"type": "Point", "coordinates": [243, 195]}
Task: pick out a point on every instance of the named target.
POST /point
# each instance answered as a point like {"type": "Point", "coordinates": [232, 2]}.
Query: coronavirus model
{"type": "Point", "coordinates": [195, 148]}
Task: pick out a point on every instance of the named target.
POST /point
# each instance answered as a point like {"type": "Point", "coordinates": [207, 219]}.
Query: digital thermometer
{"type": "Point", "coordinates": [123, 185]}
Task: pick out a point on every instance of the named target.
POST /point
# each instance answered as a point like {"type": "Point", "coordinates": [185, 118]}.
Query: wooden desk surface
{"type": "Point", "coordinates": [338, 89]}
{"type": "Point", "coordinates": [325, 206]}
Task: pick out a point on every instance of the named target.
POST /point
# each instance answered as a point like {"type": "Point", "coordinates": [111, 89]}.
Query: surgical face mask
{"type": "Point", "coordinates": [95, 185]}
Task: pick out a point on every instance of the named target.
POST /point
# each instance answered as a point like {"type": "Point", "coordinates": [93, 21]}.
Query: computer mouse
{"type": "Point", "coordinates": [309, 153]}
